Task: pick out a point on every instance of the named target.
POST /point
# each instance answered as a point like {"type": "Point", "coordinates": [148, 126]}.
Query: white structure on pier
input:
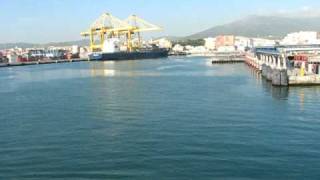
{"type": "Point", "coordinates": [287, 65]}
{"type": "Point", "coordinates": [301, 38]}
{"type": "Point", "coordinates": [210, 43]}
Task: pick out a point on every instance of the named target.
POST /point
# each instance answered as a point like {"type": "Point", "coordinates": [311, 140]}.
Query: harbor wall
{"type": "Point", "coordinates": [274, 68]}
{"type": "Point", "coordinates": [277, 76]}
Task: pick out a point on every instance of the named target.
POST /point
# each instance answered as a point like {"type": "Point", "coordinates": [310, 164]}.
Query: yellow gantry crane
{"type": "Point", "coordinates": [108, 26]}
{"type": "Point", "coordinates": [138, 26]}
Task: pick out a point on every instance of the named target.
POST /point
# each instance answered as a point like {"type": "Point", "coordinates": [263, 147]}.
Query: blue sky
{"type": "Point", "coordinates": [41, 21]}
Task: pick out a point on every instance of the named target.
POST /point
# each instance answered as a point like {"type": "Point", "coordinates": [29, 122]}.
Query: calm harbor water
{"type": "Point", "coordinates": [176, 118]}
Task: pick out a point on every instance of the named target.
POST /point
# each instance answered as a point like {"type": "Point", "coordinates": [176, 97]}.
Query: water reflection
{"type": "Point", "coordinates": [278, 93]}
{"type": "Point", "coordinates": [305, 95]}
{"type": "Point", "coordinates": [301, 100]}
{"type": "Point", "coordinates": [297, 96]}
{"type": "Point", "coordinates": [160, 68]}
{"type": "Point", "coordinates": [256, 75]}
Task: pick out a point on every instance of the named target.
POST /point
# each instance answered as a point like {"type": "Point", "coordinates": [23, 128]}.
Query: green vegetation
{"type": "Point", "coordinates": [192, 42]}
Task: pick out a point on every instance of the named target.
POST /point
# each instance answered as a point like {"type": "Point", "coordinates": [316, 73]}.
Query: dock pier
{"type": "Point", "coordinates": [226, 58]}
{"type": "Point", "coordinates": [287, 65]}
{"type": "Point", "coordinates": [41, 62]}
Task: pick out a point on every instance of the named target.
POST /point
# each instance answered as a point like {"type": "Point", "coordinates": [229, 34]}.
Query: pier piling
{"type": "Point", "coordinates": [276, 66]}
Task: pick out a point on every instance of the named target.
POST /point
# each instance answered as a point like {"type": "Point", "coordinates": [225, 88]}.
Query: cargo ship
{"type": "Point", "coordinates": [134, 55]}
{"type": "Point", "coordinates": [112, 52]}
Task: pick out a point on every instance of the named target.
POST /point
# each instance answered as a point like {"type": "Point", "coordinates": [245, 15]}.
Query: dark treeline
{"type": "Point", "coordinates": [192, 42]}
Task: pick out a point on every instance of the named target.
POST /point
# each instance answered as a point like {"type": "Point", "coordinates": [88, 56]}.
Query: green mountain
{"type": "Point", "coordinates": [262, 26]}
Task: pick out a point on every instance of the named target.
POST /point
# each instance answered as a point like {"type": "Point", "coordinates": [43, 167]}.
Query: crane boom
{"type": "Point", "coordinates": [108, 26]}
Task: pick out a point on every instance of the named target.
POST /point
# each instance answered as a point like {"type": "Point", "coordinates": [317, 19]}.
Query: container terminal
{"type": "Point", "coordinates": [33, 56]}
{"type": "Point", "coordinates": [110, 39]}
{"type": "Point", "coordinates": [114, 39]}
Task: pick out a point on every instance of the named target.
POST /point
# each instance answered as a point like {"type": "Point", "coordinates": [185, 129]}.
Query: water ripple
{"type": "Point", "coordinates": [176, 118]}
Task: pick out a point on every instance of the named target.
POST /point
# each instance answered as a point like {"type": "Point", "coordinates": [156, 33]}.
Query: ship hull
{"type": "Point", "coordinates": [136, 55]}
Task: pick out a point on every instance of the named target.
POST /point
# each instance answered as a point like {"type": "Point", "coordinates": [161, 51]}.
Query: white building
{"type": "Point", "coordinates": [302, 37]}
{"type": "Point", "coordinates": [197, 50]}
{"type": "Point", "coordinates": [12, 57]}
{"type": "Point", "coordinates": [241, 43]}
{"type": "Point", "coordinates": [210, 43]}
{"type": "Point", "coordinates": [189, 47]}
{"type": "Point", "coordinates": [256, 42]}
{"type": "Point", "coordinates": [163, 43]}
{"type": "Point", "coordinates": [111, 45]}
{"type": "Point", "coordinates": [226, 49]}
{"type": "Point", "coordinates": [178, 48]}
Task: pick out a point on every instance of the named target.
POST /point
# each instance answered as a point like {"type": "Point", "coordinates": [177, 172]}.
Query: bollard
{"type": "Point", "coordinates": [302, 69]}
{"type": "Point", "coordinates": [279, 77]}
{"type": "Point", "coordinates": [269, 73]}
{"type": "Point", "coordinates": [264, 71]}
{"type": "Point", "coordinates": [278, 62]}
{"type": "Point", "coordinates": [284, 77]}
{"type": "Point", "coordinates": [276, 77]}
{"type": "Point", "coordinates": [274, 63]}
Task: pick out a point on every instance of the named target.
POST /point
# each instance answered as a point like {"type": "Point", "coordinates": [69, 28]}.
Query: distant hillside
{"type": "Point", "coordinates": [32, 45]}
{"type": "Point", "coordinates": [251, 26]}
{"type": "Point", "coordinates": [69, 43]}
{"type": "Point", "coordinates": [262, 26]}
{"type": "Point", "coordinates": [12, 45]}
{"type": "Point", "coordinates": [171, 38]}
